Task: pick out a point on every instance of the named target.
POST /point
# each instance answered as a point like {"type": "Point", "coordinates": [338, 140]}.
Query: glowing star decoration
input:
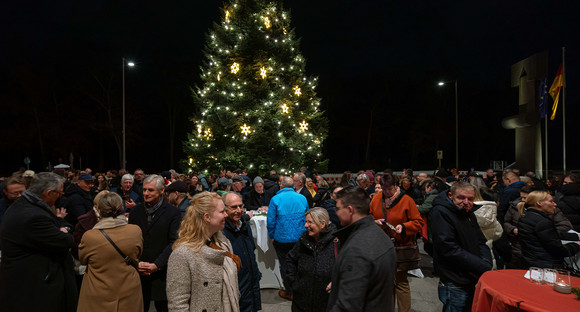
{"type": "Point", "coordinates": [284, 30]}
{"type": "Point", "coordinates": [218, 77]}
{"type": "Point", "coordinates": [267, 22]}
{"type": "Point", "coordinates": [297, 90]}
{"type": "Point", "coordinates": [235, 68]}
{"type": "Point", "coordinates": [227, 16]}
{"type": "Point", "coordinates": [285, 109]}
{"type": "Point", "coordinates": [263, 72]}
{"type": "Point", "coordinates": [245, 129]}
{"type": "Point", "coordinates": [207, 133]}
{"type": "Point", "coordinates": [304, 126]}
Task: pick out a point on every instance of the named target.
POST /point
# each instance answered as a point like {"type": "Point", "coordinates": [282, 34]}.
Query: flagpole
{"type": "Point", "coordinates": [564, 107]}
{"type": "Point", "coordinates": [546, 138]}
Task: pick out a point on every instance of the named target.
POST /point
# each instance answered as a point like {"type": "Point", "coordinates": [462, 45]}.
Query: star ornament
{"type": "Point", "coordinates": [235, 68]}
{"type": "Point", "coordinates": [285, 109]}
{"type": "Point", "coordinates": [245, 129]}
{"type": "Point", "coordinates": [297, 90]}
{"type": "Point", "coordinates": [267, 22]}
{"type": "Point", "coordinates": [263, 72]}
{"type": "Point", "coordinates": [304, 126]}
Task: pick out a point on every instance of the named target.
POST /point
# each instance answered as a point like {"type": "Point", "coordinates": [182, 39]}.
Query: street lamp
{"type": "Point", "coordinates": [442, 83]}
{"type": "Point", "coordinates": [124, 161]}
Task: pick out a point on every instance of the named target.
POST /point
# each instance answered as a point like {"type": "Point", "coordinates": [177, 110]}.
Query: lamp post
{"type": "Point", "coordinates": [124, 161]}
{"type": "Point", "coordinates": [442, 83]}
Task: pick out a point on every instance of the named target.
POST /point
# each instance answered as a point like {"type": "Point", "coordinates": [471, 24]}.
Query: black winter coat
{"type": "Point", "coordinates": [309, 269]}
{"type": "Point", "coordinates": [460, 254]}
{"type": "Point", "coordinates": [321, 195]}
{"type": "Point", "coordinates": [254, 200]}
{"type": "Point", "coordinates": [270, 189]}
{"type": "Point", "coordinates": [541, 244]}
{"type": "Point", "coordinates": [249, 276]}
{"type": "Point", "coordinates": [569, 202]}
{"type": "Point", "coordinates": [36, 273]}
{"type": "Point", "coordinates": [330, 206]}
{"type": "Point", "coordinates": [77, 203]}
{"type": "Point", "coordinates": [158, 237]}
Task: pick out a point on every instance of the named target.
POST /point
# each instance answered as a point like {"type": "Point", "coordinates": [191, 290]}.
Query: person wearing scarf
{"type": "Point", "coordinates": [110, 283]}
{"type": "Point", "coordinates": [392, 207]}
{"type": "Point", "coordinates": [202, 273]}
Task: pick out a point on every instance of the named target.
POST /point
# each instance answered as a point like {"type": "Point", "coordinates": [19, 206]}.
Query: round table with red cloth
{"type": "Point", "coordinates": [502, 290]}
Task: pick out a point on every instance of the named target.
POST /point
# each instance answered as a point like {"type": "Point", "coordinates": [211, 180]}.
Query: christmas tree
{"type": "Point", "coordinates": [257, 108]}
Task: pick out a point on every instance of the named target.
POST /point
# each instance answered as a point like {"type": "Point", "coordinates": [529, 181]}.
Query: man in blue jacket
{"type": "Point", "coordinates": [460, 254]}
{"type": "Point", "coordinates": [510, 193]}
{"type": "Point", "coordinates": [286, 224]}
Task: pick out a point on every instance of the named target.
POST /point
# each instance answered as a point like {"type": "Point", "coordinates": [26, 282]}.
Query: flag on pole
{"type": "Point", "coordinates": [543, 92]}
{"type": "Point", "coordinates": [555, 90]}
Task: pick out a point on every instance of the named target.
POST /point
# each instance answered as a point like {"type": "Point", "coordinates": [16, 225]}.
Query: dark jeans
{"type": "Point", "coordinates": [454, 298]}
{"type": "Point", "coordinates": [282, 249]}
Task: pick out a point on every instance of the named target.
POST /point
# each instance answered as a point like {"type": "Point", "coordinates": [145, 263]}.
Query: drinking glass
{"type": "Point", "coordinates": [550, 276]}
{"type": "Point", "coordinates": [536, 275]}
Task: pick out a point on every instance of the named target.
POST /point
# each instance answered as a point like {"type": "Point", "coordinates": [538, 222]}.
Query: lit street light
{"type": "Point", "coordinates": [442, 83]}
{"type": "Point", "coordinates": [124, 161]}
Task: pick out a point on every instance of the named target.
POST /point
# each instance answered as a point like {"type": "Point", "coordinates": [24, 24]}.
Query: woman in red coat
{"type": "Point", "coordinates": [392, 207]}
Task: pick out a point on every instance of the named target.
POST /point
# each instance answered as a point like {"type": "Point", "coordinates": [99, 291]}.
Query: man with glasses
{"type": "Point", "coordinates": [36, 273]}
{"type": "Point", "coordinates": [238, 231]}
{"type": "Point", "coordinates": [78, 198]}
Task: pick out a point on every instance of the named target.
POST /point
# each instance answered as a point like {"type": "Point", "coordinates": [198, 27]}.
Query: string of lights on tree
{"type": "Point", "coordinates": [257, 108]}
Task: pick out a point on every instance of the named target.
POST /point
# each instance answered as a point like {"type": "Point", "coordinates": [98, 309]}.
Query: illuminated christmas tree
{"type": "Point", "coordinates": [257, 108]}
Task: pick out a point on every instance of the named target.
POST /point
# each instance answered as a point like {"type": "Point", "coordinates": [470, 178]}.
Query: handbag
{"type": "Point", "coordinates": [128, 260]}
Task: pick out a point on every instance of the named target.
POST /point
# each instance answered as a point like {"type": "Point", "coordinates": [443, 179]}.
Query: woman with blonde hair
{"type": "Point", "coordinates": [541, 244]}
{"type": "Point", "coordinates": [111, 283]}
{"type": "Point", "coordinates": [311, 187]}
{"type": "Point", "coordinates": [202, 274]}
{"type": "Point", "coordinates": [310, 262]}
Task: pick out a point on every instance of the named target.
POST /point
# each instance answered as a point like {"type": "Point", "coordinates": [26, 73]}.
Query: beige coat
{"type": "Point", "coordinates": [109, 283]}
{"type": "Point", "coordinates": [490, 227]}
{"type": "Point", "coordinates": [196, 280]}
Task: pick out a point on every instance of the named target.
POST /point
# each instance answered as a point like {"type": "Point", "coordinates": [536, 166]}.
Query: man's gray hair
{"type": "Point", "coordinates": [287, 182]}
{"type": "Point", "coordinates": [159, 181]}
{"type": "Point", "coordinates": [225, 195]}
{"type": "Point", "coordinates": [302, 177]}
{"type": "Point", "coordinates": [44, 181]}
{"type": "Point", "coordinates": [461, 185]}
{"type": "Point", "coordinates": [362, 177]}
{"type": "Point", "coordinates": [127, 176]}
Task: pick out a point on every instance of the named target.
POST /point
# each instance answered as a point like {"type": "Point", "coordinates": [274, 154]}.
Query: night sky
{"type": "Point", "coordinates": [60, 65]}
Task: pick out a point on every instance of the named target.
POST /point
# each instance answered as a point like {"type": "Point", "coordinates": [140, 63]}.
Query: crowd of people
{"type": "Point", "coordinates": [72, 240]}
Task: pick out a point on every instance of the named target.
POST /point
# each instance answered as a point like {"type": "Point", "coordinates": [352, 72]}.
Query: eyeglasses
{"type": "Point", "coordinates": [15, 193]}
{"type": "Point", "coordinates": [236, 207]}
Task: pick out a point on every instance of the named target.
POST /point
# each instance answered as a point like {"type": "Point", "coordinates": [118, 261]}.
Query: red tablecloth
{"type": "Point", "coordinates": [502, 290]}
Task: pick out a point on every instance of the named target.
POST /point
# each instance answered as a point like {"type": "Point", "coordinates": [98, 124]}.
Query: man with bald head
{"type": "Point", "coordinates": [238, 231]}
{"type": "Point", "coordinates": [286, 224]}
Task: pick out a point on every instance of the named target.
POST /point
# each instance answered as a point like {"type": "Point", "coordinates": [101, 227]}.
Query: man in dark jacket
{"type": "Point", "coordinates": [330, 205]}
{"type": "Point", "coordinates": [36, 273]}
{"type": "Point", "coordinates": [12, 190]}
{"type": "Point", "coordinates": [78, 198]}
{"type": "Point", "coordinates": [238, 231]}
{"type": "Point", "coordinates": [300, 187]}
{"type": "Point", "coordinates": [460, 254]}
{"type": "Point", "coordinates": [364, 272]}
{"type": "Point", "coordinates": [271, 187]}
{"type": "Point", "coordinates": [510, 193]}
{"type": "Point", "coordinates": [159, 221]}
{"type": "Point", "coordinates": [569, 200]}
{"type": "Point", "coordinates": [256, 197]}
{"type": "Point", "coordinates": [177, 195]}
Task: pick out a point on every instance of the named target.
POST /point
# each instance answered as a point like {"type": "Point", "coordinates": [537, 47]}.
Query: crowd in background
{"type": "Point", "coordinates": [522, 218]}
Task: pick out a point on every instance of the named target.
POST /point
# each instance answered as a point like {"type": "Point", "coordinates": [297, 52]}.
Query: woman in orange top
{"type": "Point", "coordinates": [392, 207]}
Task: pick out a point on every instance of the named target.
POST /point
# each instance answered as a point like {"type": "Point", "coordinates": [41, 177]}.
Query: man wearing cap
{"type": "Point", "coordinates": [256, 197]}
{"type": "Point", "coordinates": [78, 198]}
{"type": "Point", "coordinates": [177, 195]}
{"type": "Point", "coordinates": [224, 185]}
{"type": "Point", "coordinates": [238, 186]}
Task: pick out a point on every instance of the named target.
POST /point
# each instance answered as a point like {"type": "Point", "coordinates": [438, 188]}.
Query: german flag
{"type": "Point", "coordinates": [555, 90]}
